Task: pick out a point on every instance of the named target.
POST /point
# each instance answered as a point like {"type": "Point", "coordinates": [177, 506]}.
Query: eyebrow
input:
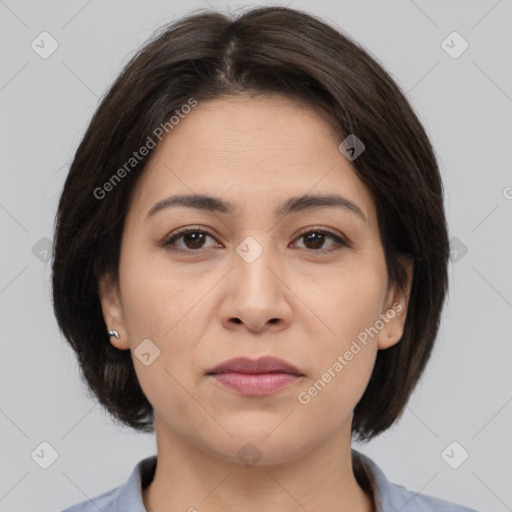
{"type": "Point", "coordinates": [291, 205]}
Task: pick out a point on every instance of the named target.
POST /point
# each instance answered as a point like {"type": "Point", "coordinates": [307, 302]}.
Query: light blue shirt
{"type": "Point", "coordinates": [388, 497]}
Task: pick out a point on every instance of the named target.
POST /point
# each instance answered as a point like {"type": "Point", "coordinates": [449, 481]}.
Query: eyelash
{"type": "Point", "coordinates": [340, 242]}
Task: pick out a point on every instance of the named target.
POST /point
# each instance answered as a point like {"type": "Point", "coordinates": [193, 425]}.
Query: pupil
{"type": "Point", "coordinates": [318, 237]}
{"type": "Point", "coordinates": [198, 239]}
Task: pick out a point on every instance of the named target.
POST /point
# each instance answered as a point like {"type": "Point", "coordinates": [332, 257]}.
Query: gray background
{"type": "Point", "coordinates": [465, 104]}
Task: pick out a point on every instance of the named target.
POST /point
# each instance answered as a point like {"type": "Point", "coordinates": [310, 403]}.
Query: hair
{"type": "Point", "coordinates": [209, 55]}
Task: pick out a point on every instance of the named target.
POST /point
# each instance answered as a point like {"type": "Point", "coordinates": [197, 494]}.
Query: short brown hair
{"type": "Point", "coordinates": [208, 55]}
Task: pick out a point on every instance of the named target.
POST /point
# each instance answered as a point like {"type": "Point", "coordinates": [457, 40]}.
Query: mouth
{"type": "Point", "coordinates": [259, 377]}
{"type": "Point", "coordinates": [263, 365]}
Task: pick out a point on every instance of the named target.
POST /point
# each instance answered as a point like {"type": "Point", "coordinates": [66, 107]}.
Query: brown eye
{"type": "Point", "coordinates": [192, 239]}
{"type": "Point", "coordinates": [315, 240]}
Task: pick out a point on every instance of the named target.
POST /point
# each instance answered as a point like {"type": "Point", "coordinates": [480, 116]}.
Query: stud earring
{"type": "Point", "coordinates": [114, 333]}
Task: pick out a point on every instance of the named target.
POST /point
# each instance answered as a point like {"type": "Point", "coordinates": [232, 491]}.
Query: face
{"type": "Point", "coordinates": [307, 285]}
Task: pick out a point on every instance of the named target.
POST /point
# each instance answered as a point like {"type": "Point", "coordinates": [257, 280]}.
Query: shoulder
{"type": "Point", "coordinates": [126, 498]}
{"type": "Point", "coordinates": [409, 501]}
{"type": "Point", "coordinates": [390, 497]}
{"type": "Point", "coordinates": [104, 502]}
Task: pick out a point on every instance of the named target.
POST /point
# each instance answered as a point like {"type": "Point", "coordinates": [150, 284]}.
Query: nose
{"type": "Point", "coordinates": [258, 298]}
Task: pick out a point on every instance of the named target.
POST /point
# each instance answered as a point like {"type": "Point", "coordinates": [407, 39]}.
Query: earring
{"type": "Point", "coordinates": [113, 333]}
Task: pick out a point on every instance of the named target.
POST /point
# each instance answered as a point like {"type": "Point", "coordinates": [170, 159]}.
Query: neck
{"type": "Point", "coordinates": [195, 480]}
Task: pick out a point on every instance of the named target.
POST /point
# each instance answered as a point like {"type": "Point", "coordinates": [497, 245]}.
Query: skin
{"type": "Point", "coordinates": [299, 300]}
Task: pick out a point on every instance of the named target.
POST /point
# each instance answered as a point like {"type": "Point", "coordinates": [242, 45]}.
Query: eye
{"type": "Point", "coordinates": [193, 238]}
{"type": "Point", "coordinates": [314, 239]}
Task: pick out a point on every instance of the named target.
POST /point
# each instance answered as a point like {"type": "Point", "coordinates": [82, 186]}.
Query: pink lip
{"type": "Point", "coordinates": [256, 384]}
{"type": "Point", "coordinates": [265, 364]}
{"type": "Point", "coordinates": [256, 377]}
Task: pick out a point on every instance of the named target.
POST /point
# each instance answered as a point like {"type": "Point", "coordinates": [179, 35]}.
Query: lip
{"type": "Point", "coordinates": [256, 377]}
{"type": "Point", "coordinates": [265, 364]}
{"type": "Point", "coordinates": [256, 384]}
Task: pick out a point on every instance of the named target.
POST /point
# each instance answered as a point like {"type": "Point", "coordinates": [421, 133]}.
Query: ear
{"type": "Point", "coordinates": [395, 309]}
{"type": "Point", "coordinates": [111, 305]}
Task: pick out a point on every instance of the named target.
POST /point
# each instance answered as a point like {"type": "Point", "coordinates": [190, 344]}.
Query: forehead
{"type": "Point", "coordinates": [254, 127]}
{"type": "Point", "coordinates": [250, 150]}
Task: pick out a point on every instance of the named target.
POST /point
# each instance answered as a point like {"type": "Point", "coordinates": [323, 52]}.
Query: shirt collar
{"type": "Point", "coordinates": [129, 498]}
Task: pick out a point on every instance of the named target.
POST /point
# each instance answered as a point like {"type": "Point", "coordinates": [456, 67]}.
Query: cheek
{"type": "Point", "coordinates": [157, 298]}
{"type": "Point", "coordinates": [348, 303]}
{"type": "Point", "coordinates": [344, 361]}
{"type": "Point", "coordinates": [164, 307]}
{"type": "Point", "coordinates": [346, 299]}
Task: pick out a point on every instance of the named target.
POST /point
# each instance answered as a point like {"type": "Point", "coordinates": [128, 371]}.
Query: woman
{"type": "Point", "coordinates": [251, 260]}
